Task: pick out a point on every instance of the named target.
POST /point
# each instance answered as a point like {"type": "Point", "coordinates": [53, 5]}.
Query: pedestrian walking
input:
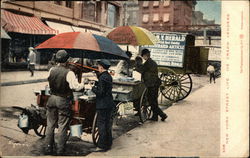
{"type": "Point", "coordinates": [210, 71]}
{"type": "Point", "coordinates": [151, 80]}
{"type": "Point", "coordinates": [61, 81]}
{"type": "Point", "coordinates": [104, 106]}
{"type": "Point", "coordinates": [31, 61]}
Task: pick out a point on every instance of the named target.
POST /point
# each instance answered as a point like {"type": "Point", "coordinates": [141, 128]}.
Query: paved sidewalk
{"type": "Point", "coordinates": [22, 77]}
{"type": "Point", "coordinates": [192, 129]}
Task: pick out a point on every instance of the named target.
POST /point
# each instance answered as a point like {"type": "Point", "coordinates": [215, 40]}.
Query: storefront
{"type": "Point", "coordinates": [25, 32]}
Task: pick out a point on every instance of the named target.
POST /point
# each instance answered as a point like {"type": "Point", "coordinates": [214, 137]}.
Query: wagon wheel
{"type": "Point", "coordinates": [95, 132]}
{"type": "Point", "coordinates": [185, 86]}
{"type": "Point", "coordinates": [170, 87]}
{"type": "Point", "coordinates": [40, 130]}
{"type": "Point", "coordinates": [144, 110]}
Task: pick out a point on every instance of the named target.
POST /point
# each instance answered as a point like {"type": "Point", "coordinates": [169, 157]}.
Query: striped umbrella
{"type": "Point", "coordinates": [132, 35]}
{"type": "Point", "coordinates": [84, 44]}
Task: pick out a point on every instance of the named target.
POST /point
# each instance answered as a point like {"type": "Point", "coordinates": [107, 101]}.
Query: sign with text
{"type": "Point", "coordinates": [170, 50]}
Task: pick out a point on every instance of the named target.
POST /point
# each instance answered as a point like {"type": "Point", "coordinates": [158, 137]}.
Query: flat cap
{"type": "Point", "coordinates": [104, 63]}
{"type": "Point", "coordinates": [62, 56]}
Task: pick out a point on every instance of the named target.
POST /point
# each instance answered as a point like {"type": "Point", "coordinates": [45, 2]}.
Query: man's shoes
{"type": "Point", "coordinates": [164, 117]}
{"type": "Point", "coordinates": [101, 149]}
{"type": "Point", "coordinates": [154, 118]}
{"type": "Point", "coordinates": [48, 150]}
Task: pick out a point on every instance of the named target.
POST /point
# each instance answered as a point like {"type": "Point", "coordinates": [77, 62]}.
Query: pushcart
{"type": "Point", "coordinates": [177, 59]}
{"type": "Point", "coordinates": [83, 107]}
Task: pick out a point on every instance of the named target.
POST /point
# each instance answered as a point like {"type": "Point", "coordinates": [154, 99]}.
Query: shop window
{"type": "Point", "coordinates": [145, 18]}
{"type": "Point", "coordinates": [112, 14]}
{"type": "Point", "coordinates": [166, 3]}
{"type": "Point", "coordinates": [166, 17]}
{"type": "Point", "coordinates": [156, 4]}
{"type": "Point", "coordinates": [145, 4]}
{"type": "Point", "coordinates": [69, 4]}
{"type": "Point", "coordinates": [156, 17]}
{"type": "Point", "coordinates": [88, 11]}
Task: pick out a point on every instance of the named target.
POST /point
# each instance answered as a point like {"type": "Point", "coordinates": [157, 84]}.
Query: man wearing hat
{"type": "Point", "coordinates": [31, 60]}
{"type": "Point", "coordinates": [104, 105]}
{"type": "Point", "coordinates": [151, 80]}
{"type": "Point", "coordinates": [61, 81]}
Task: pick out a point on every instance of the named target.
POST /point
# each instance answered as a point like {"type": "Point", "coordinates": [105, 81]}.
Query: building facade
{"type": "Point", "coordinates": [33, 20]}
{"type": "Point", "coordinates": [166, 15]}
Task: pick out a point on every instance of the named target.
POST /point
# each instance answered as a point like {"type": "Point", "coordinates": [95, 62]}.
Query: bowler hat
{"type": "Point", "coordinates": [145, 51]}
{"type": "Point", "coordinates": [62, 56]}
{"type": "Point", "coordinates": [104, 63]}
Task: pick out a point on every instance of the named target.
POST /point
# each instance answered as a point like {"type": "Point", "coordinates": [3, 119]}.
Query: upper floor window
{"type": "Point", "coordinates": [69, 4]}
{"type": "Point", "coordinates": [88, 11]}
{"type": "Point", "coordinates": [145, 4]}
{"type": "Point", "coordinates": [155, 17]}
{"type": "Point", "coordinates": [58, 2]}
{"type": "Point", "coordinates": [111, 15]}
{"type": "Point", "coordinates": [156, 4]}
{"type": "Point", "coordinates": [145, 18]}
{"type": "Point", "coordinates": [166, 17]}
{"type": "Point", "coordinates": [166, 3]}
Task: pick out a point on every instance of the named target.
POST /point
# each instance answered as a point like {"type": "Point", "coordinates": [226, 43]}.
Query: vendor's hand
{"type": "Point", "coordinates": [86, 81]}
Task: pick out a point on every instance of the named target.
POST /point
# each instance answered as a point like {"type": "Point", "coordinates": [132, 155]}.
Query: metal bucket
{"type": "Point", "coordinates": [76, 130]}
{"type": "Point", "coordinates": [23, 121]}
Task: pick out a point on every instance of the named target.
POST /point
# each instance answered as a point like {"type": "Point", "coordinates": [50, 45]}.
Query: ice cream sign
{"type": "Point", "coordinates": [170, 50]}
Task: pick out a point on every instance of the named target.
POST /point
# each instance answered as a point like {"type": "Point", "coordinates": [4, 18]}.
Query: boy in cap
{"type": "Point", "coordinates": [151, 80]}
{"type": "Point", "coordinates": [62, 82]}
{"type": "Point", "coordinates": [104, 106]}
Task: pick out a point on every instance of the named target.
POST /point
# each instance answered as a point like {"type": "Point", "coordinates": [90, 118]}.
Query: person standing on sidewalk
{"type": "Point", "coordinates": [61, 81]}
{"type": "Point", "coordinates": [151, 80]}
{"type": "Point", "coordinates": [104, 106]}
{"type": "Point", "coordinates": [210, 71]}
{"type": "Point", "coordinates": [31, 61]}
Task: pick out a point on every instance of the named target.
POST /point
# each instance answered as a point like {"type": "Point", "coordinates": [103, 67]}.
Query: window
{"type": "Point", "coordinates": [111, 15]}
{"type": "Point", "coordinates": [156, 4]}
{"type": "Point", "coordinates": [88, 11]}
{"type": "Point", "coordinates": [166, 3]}
{"type": "Point", "coordinates": [156, 17]}
{"type": "Point", "coordinates": [58, 2]}
{"type": "Point", "coordinates": [69, 4]}
{"type": "Point", "coordinates": [145, 4]}
{"type": "Point", "coordinates": [145, 18]}
{"type": "Point", "coordinates": [166, 17]}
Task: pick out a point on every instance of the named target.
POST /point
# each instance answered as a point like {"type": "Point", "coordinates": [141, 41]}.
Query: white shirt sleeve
{"type": "Point", "coordinates": [73, 82]}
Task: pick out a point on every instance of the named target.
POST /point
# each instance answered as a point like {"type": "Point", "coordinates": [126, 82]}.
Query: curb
{"type": "Point", "coordinates": [23, 82]}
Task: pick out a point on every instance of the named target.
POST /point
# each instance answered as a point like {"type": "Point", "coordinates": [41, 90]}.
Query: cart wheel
{"type": "Point", "coordinates": [145, 109]}
{"type": "Point", "coordinates": [40, 131]}
{"type": "Point", "coordinates": [185, 86]}
{"type": "Point", "coordinates": [95, 132]}
{"type": "Point", "coordinates": [170, 87]}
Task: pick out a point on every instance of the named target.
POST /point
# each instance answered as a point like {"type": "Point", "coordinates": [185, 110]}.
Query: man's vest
{"type": "Point", "coordinates": [57, 81]}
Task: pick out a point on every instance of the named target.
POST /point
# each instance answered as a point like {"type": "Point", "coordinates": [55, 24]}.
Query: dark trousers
{"type": "Point", "coordinates": [212, 76]}
{"type": "Point", "coordinates": [152, 96]}
{"type": "Point", "coordinates": [104, 124]}
{"type": "Point", "coordinates": [58, 114]}
{"type": "Point", "coordinates": [31, 68]}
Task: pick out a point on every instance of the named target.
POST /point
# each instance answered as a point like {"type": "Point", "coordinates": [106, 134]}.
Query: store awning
{"type": "Point", "coordinates": [24, 24]}
{"type": "Point", "coordinates": [60, 27]}
{"type": "Point", "coordinates": [4, 34]}
{"type": "Point", "coordinates": [79, 29]}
